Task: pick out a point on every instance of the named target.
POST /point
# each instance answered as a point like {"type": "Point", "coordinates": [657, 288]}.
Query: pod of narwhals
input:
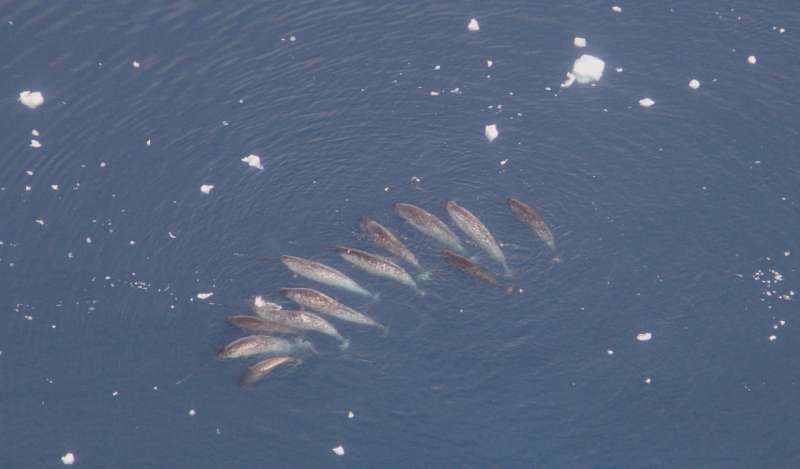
{"type": "Point", "coordinates": [277, 331]}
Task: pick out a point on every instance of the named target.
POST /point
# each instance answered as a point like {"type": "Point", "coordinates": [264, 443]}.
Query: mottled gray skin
{"type": "Point", "coordinates": [322, 303]}
{"type": "Point", "coordinates": [428, 224]}
{"type": "Point", "coordinates": [470, 268]}
{"type": "Point", "coordinates": [259, 324]}
{"type": "Point", "coordinates": [323, 274]}
{"type": "Point", "coordinates": [264, 345]}
{"type": "Point", "coordinates": [467, 222]}
{"type": "Point", "coordinates": [302, 320]}
{"type": "Point", "coordinates": [377, 265]}
{"type": "Point", "coordinates": [382, 237]}
{"type": "Point", "coordinates": [535, 222]}
{"type": "Point", "coordinates": [263, 368]}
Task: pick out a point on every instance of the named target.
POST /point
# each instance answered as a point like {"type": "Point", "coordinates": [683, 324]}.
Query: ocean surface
{"type": "Point", "coordinates": [680, 220]}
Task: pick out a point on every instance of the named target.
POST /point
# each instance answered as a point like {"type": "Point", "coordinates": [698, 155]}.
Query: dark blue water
{"type": "Point", "coordinates": [681, 220]}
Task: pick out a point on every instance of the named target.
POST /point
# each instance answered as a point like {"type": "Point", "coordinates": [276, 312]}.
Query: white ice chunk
{"type": "Point", "coordinates": [579, 42]}
{"type": "Point", "coordinates": [772, 338]}
{"type": "Point", "coordinates": [148, 142]}
{"type": "Point", "coordinates": [35, 143]}
{"type": "Point", "coordinates": [489, 63]}
{"type": "Point", "coordinates": [434, 93]}
{"type": "Point", "coordinates": [68, 459]}
{"type": "Point", "coordinates": [644, 336]}
{"type": "Point", "coordinates": [588, 69]}
{"type": "Point", "coordinates": [491, 132]}
{"type": "Point", "coordinates": [610, 352]}
{"type": "Point", "coordinates": [206, 188]}
{"type": "Point", "coordinates": [473, 25]}
{"type": "Point", "coordinates": [32, 99]}
{"type": "Point", "coordinates": [192, 412]}
{"type": "Point", "coordinates": [54, 187]}
{"type": "Point", "coordinates": [35, 133]}
{"type": "Point", "coordinates": [136, 64]}
{"type": "Point", "coordinates": [253, 161]}
{"type": "Point", "coordinates": [616, 9]}
{"type": "Point", "coordinates": [40, 221]}
{"type": "Point", "coordinates": [751, 60]}
{"type": "Point", "coordinates": [339, 451]}
{"type": "Point", "coordinates": [646, 102]}
{"type": "Point", "coordinates": [204, 296]}
{"type": "Point", "coordinates": [438, 67]}
{"type": "Point", "coordinates": [350, 414]}
{"type": "Point", "coordinates": [694, 84]}
{"type": "Point", "coordinates": [648, 380]}
{"type": "Point", "coordinates": [171, 235]}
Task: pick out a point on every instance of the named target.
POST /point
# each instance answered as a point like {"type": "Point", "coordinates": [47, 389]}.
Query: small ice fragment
{"type": "Point", "coordinates": [610, 352]}
{"type": "Point", "coordinates": [694, 84]}
{"type": "Point", "coordinates": [115, 393]}
{"type": "Point", "coordinates": [782, 322]}
{"type": "Point", "coordinates": [253, 161]}
{"type": "Point", "coordinates": [35, 133]}
{"type": "Point", "coordinates": [503, 162]}
{"type": "Point", "coordinates": [489, 63]}
{"type": "Point", "coordinates": [339, 451]}
{"type": "Point", "coordinates": [434, 93]}
{"type": "Point", "coordinates": [148, 142]}
{"type": "Point", "coordinates": [772, 338]}
{"type": "Point", "coordinates": [473, 25]}
{"type": "Point", "coordinates": [27, 188]}
{"type": "Point", "coordinates": [438, 67]}
{"type": "Point", "coordinates": [136, 64]}
{"type": "Point", "coordinates": [40, 221]}
{"type": "Point", "coordinates": [619, 69]}
{"type": "Point", "coordinates": [171, 235]}
{"type": "Point", "coordinates": [292, 38]}
{"type": "Point", "coordinates": [579, 42]}
{"type": "Point", "coordinates": [751, 60]}
{"type": "Point", "coordinates": [616, 9]}
{"type": "Point", "coordinates": [204, 296]}
{"type": "Point", "coordinates": [647, 380]}
{"type": "Point", "coordinates": [588, 68]}
{"type": "Point", "coordinates": [54, 187]}
{"type": "Point", "coordinates": [68, 459]}
{"type": "Point", "coordinates": [102, 164]}
{"type": "Point", "coordinates": [192, 412]}
{"type": "Point", "coordinates": [786, 253]}
{"type": "Point", "coordinates": [32, 99]}
{"type": "Point", "coordinates": [88, 240]}
{"type": "Point", "coordinates": [350, 414]}
{"type": "Point", "coordinates": [491, 132]}
{"type": "Point", "coordinates": [35, 143]}
{"type": "Point", "coordinates": [206, 188]}
{"type": "Point", "coordinates": [131, 242]}
{"type": "Point", "coordinates": [646, 102]}
{"type": "Point", "coordinates": [782, 30]}
{"type": "Point", "coordinates": [644, 336]}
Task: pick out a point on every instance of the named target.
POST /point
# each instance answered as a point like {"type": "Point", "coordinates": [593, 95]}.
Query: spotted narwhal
{"type": "Point", "coordinates": [322, 303]}
{"type": "Point", "coordinates": [323, 274]}
{"type": "Point", "coordinates": [428, 224]}
{"type": "Point", "coordinates": [252, 345]}
{"type": "Point", "coordinates": [377, 265]}
{"type": "Point", "coordinates": [535, 222]}
{"type": "Point", "coordinates": [300, 320]}
{"type": "Point", "coordinates": [470, 268]}
{"type": "Point", "coordinates": [477, 231]}
{"type": "Point", "coordinates": [382, 237]}
{"type": "Point", "coordinates": [261, 369]}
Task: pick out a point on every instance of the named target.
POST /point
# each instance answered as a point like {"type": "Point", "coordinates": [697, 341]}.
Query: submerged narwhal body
{"type": "Point", "coordinates": [322, 303]}
{"type": "Point", "coordinates": [323, 274]}
{"type": "Point", "coordinates": [382, 237]}
{"type": "Point", "coordinates": [252, 345]}
{"type": "Point", "coordinates": [467, 222]}
{"type": "Point", "coordinates": [263, 368]}
{"type": "Point", "coordinates": [300, 320]}
{"type": "Point", "coordinates": [377, 265]}
{"type": "Point", "coordinates": [470, 268]}
{"type": "Point", "coordinates": [535, 222]}
{"type": "Point", "coordinates": [428, 224]}
{"type": "Point", "coordinates": [260, 324]}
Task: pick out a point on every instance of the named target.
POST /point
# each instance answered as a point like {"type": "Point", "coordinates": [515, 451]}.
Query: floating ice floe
{"type": "Point", "coordinates": [338, 451]}
{"type": "Point", "coordinates": [616, 9]}
{"type": "Point", "coordinates": [751, 60]}
{"type": "Point", "coordinates": [253, 161]}
{"type": "Point", "coordinates": [647, 380]}
{"type": "Point", "coordinates": [206, 188]}
{"type": "Point", "coordinates": [772, 338]}
{"type": "Point", "coordinates": [35, 143]}
{"type": "Point", "coordinates": [610, 352]}
{"type": "Point", "coordinates": [586, 69]}
{"type": "Point", "coordinates": [35, 133]}
{"type": "Point", "coordinates": [192, 412]}
{"type": "Point", "coordinates": [694, 84]}
{"type": "Point", "coordinates": [350, 414]}
{"type": "Point", "coordinates": [579, 42]}
{"type": "Point", "coordinates": [68, 459]}
{"type": "Point", "coordinates": [491, 132]}
{"type": "Point", "coordinates": [473, 25]}
{"type": "Point", "coordinates": [434, 93]}
{"type": "Point", "coordinates": [54, 187]}
{"type": "Point", "coordinates": [644, 336]}
{"type": "Point", "coordinates": [32, 99]}
{"type": "Point", "coordinates": [204, 296]}
{"type": "Point", "coordinates": [646, 102]}
{"type": "Point", "coordinates": [148, 142]}
{"type": "Point", "coordinates": [40, 221]}
{"type": "Point", "coordinates": [136, 64]}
